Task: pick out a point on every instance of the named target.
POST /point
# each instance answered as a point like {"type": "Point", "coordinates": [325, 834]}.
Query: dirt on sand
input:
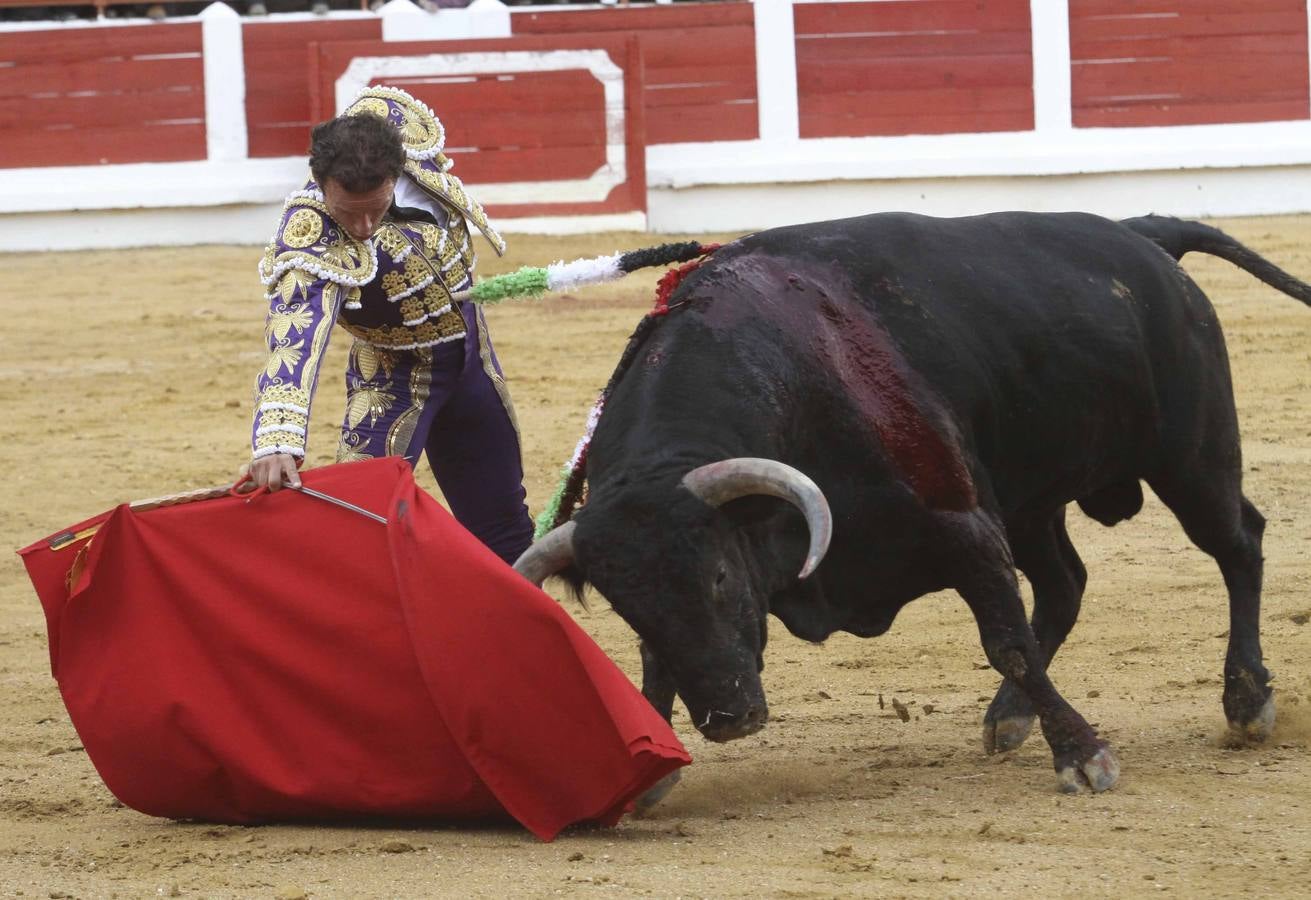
{"type": "Point", "coordinates": [128, 374]}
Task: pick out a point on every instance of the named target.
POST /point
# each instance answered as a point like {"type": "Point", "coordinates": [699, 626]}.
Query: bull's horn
{"type": "Point", "coordinates": [549, 555]}
{"type": "Point", "coordinates": [719, 482]}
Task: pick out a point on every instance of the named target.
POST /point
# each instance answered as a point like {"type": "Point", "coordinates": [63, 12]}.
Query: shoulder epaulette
{"type": "Point", "coordinates": [309, 240]}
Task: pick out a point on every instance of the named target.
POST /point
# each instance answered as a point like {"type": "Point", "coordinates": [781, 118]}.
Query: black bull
{"type": "Point", "coordinates": [950, 385]}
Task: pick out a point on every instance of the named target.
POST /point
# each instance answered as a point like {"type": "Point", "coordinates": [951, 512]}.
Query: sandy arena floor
{"type": "Point", "coordinates": [127, 375]}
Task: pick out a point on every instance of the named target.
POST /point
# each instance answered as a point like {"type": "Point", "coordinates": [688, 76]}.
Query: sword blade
{"type": "Point", "coordinates": [337, 501]}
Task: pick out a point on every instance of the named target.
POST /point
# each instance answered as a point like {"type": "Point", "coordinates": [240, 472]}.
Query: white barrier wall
{"type": "Point", "coordinates": [780, 178]}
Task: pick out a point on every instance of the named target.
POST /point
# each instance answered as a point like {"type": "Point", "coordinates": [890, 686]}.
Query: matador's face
{"type": "Point", "coordinates": [358, 212]}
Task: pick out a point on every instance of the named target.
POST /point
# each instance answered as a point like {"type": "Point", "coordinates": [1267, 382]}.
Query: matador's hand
{"type": "Point", "coordinates": [272, 472]}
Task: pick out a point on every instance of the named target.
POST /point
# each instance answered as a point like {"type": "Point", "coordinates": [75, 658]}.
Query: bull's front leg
{"type": "Point", "coordinates": [658, 689]}
{"type": "Point", "coordinates": [989, 587]}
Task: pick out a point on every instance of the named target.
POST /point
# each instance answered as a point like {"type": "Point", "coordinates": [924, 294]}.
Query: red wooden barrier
{"type": "Point", "coordinates": [507, 126]}
{"type": "Point", "coordinates": [278, 114]}
{"type": "Point", "coordinates": [1188, 62]}
{"type": "Point", "coordinates": [700, 62]}
{"type": "Point", "coordinates": [913, 67]}
{"type": "Point", "coordinates": [101, 95]}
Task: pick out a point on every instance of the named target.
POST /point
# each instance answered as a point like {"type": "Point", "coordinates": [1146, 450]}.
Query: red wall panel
{"type": "Point", "coordinates": [538, 126]}
{"type": "Point", "coordinates": [700, 64]}
{"type": "Point", "coordinates": [278, 115]}
{"type": "Point", "coordinates": [101, 95]}
{"type": "Point", "coordinates": [913, 67]}
{"type": "Point", "coordinates": [1187, 62]}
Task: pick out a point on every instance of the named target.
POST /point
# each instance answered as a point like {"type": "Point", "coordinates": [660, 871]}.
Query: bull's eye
{"type": "Point", "coordinates": [720, 576]}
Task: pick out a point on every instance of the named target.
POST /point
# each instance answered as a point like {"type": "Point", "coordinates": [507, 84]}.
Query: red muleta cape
{"type": "Point", "coordinates": [287, 659]}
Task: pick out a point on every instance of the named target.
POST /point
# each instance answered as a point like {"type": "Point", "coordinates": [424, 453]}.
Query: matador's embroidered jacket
{"type": "Point", "coordinates": [392, 291]}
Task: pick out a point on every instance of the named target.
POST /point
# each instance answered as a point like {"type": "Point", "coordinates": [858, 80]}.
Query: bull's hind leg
{"type": "Point", "coordinates": [1044, 554]}
{"type": "Point", "coordinates": [1224, 523]}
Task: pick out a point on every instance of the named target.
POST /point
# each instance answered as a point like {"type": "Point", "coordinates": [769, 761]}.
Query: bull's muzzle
{"type": "Point", "coordinates": [720, 726]}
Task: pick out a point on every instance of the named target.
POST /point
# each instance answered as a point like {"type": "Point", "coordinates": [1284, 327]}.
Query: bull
{"type": "Point", "coordinates": [894, 405]}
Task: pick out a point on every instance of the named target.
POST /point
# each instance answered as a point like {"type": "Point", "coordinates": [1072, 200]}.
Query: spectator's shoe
{"type": "Point", "coordinates": [257, 9]}
{"type": "Point", "coordinates": [156, 11]}
{"type": "Point", "coordinates": [320, 8]}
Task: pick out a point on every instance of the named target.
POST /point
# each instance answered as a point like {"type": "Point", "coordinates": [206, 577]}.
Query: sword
{"type": "Point", "coordinates": [337, 501]}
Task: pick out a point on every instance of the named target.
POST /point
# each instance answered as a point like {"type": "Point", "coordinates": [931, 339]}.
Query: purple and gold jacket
{"type": "Point", "coordinates": [392, 291]}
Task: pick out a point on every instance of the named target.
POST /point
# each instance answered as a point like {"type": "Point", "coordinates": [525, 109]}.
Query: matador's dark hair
{"type": "Point", "coordinates": [360, 152]}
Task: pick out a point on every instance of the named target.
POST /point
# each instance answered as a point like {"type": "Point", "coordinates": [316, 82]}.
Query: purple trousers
{"type": "Point", "coordinates": [451, 402]}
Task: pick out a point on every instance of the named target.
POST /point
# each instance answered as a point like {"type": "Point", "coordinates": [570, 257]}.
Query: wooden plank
{"type": "Point", "coordinates": [1216, 47]}
{"type": "Point", "coordinates": [1095, 29]}
{"type": "Point", "coordinates": [1080, 9]}
{"type": "Point", "coordinates": [458, 99]}
{"type": "Point", "coordinates": [633, 18]}
{"type": "Point", "coordinates": [1190, 113]}
{"type": "Point", "coordinates": [851, 46]}
{"type": "Point", "coordinates": [911, 16]}
{"type": "Point", "coordinates": [902, 73]}
{"type": "Point", "coordinates": [266, 140]}
{"type": "Point", "coordinates": [697, 123]}
{"type": "Point", "coordinates": [528, 164]}
{"type": "Point", "coordinates": [1231, 78]}
{"type": "Point", "coordinates": [99, 110]}
{"type": "Point", "coordinates": [726, 46]}
{"type": "Point", "coordinates": [924, 103]}
{"type": "Point", "coordinates": [741, 80]}
{"type": "Point", "coordinates": [93, 146]}
{"type": "Point", "coordinates": [131, 75]}
{"type": "Point", "coordinates": [272, 36]}
{"type": "Point", "coordinates": [72, 45]}
{"type": "Point", "coordinates": [966, 122]}
{"type": "Point", "coordinates": [695, 95]}
{"type": "Point", "coordinates": [535, 127]}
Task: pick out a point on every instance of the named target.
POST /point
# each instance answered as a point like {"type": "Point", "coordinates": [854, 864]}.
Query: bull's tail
{"type": "Point", "coordinates": [1177, 237]}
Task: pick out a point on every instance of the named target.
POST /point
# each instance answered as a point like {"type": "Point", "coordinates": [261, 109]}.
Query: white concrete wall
{"type": "Point", "coordinates": [1208, 170]}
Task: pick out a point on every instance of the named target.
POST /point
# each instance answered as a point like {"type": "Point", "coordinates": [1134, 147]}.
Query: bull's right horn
{"type": "Point", "coordinates": [719, 482]}
{"type": "Point", "coordinates": [553, 552]}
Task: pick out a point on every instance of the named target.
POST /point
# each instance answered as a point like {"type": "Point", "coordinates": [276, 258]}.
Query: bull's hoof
{"type": "Point", "coordinates": [657, 792]}
{"type": "Point", "coordinates": [1006, 734]}
{"type": "Point", "coordinates": [1099, 772]}
{"type": "Point", "coordinates": [1256, 729]}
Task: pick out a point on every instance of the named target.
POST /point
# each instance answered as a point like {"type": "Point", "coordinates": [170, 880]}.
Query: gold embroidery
{"type": "Point", "coordinates": [352, 448]}
{"type": "Point", "coordinates": [448, 188]}
{"type": "Point", "coordinates": [393, 283]}
{"type": "Point", "coordinates": [416, 268]}
{"type": "Point", "coordinates": [421, 132]}
{"type": "Point", "coordinates": [289, 394]}
{"type": "Point", "coordinates": [293, 283]}
{"type": "Point", "coordinates": [328, 306]}
{"type": "Point", "coordinates": [391, 240]}
{"type": "Point", "coordinates": [285, 318]}
{"type": "Point", "coordinates": [368, 360]}
{"type": "Point", "coordinates": [401, 433]}
{"type": "Point", "coordinates": [368, 400]}
{"type": "Point", "coordinates": [284, 356]}
{"type": "Point", "coordinates": [448, 326]}
{"type": "Point", "coordinates": [335, 257]}
{"type": "Point", "coordinates": [370, 105]}
{"type": "Point", "coordinates": [302, 229]}
{"type": "Point", "coordinates": [498, 380]}
{"type": "Point", "coordinates": [413, 308]}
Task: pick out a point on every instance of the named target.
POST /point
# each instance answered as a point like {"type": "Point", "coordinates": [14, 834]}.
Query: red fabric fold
{"type": "Point", "coordinates": [286, 659]}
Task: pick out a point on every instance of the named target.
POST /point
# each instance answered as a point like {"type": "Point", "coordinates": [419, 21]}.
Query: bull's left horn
{"type": "Point", "coordinates": [719, 482]}
{"type": "Point", "coordinates": [549, 555]}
